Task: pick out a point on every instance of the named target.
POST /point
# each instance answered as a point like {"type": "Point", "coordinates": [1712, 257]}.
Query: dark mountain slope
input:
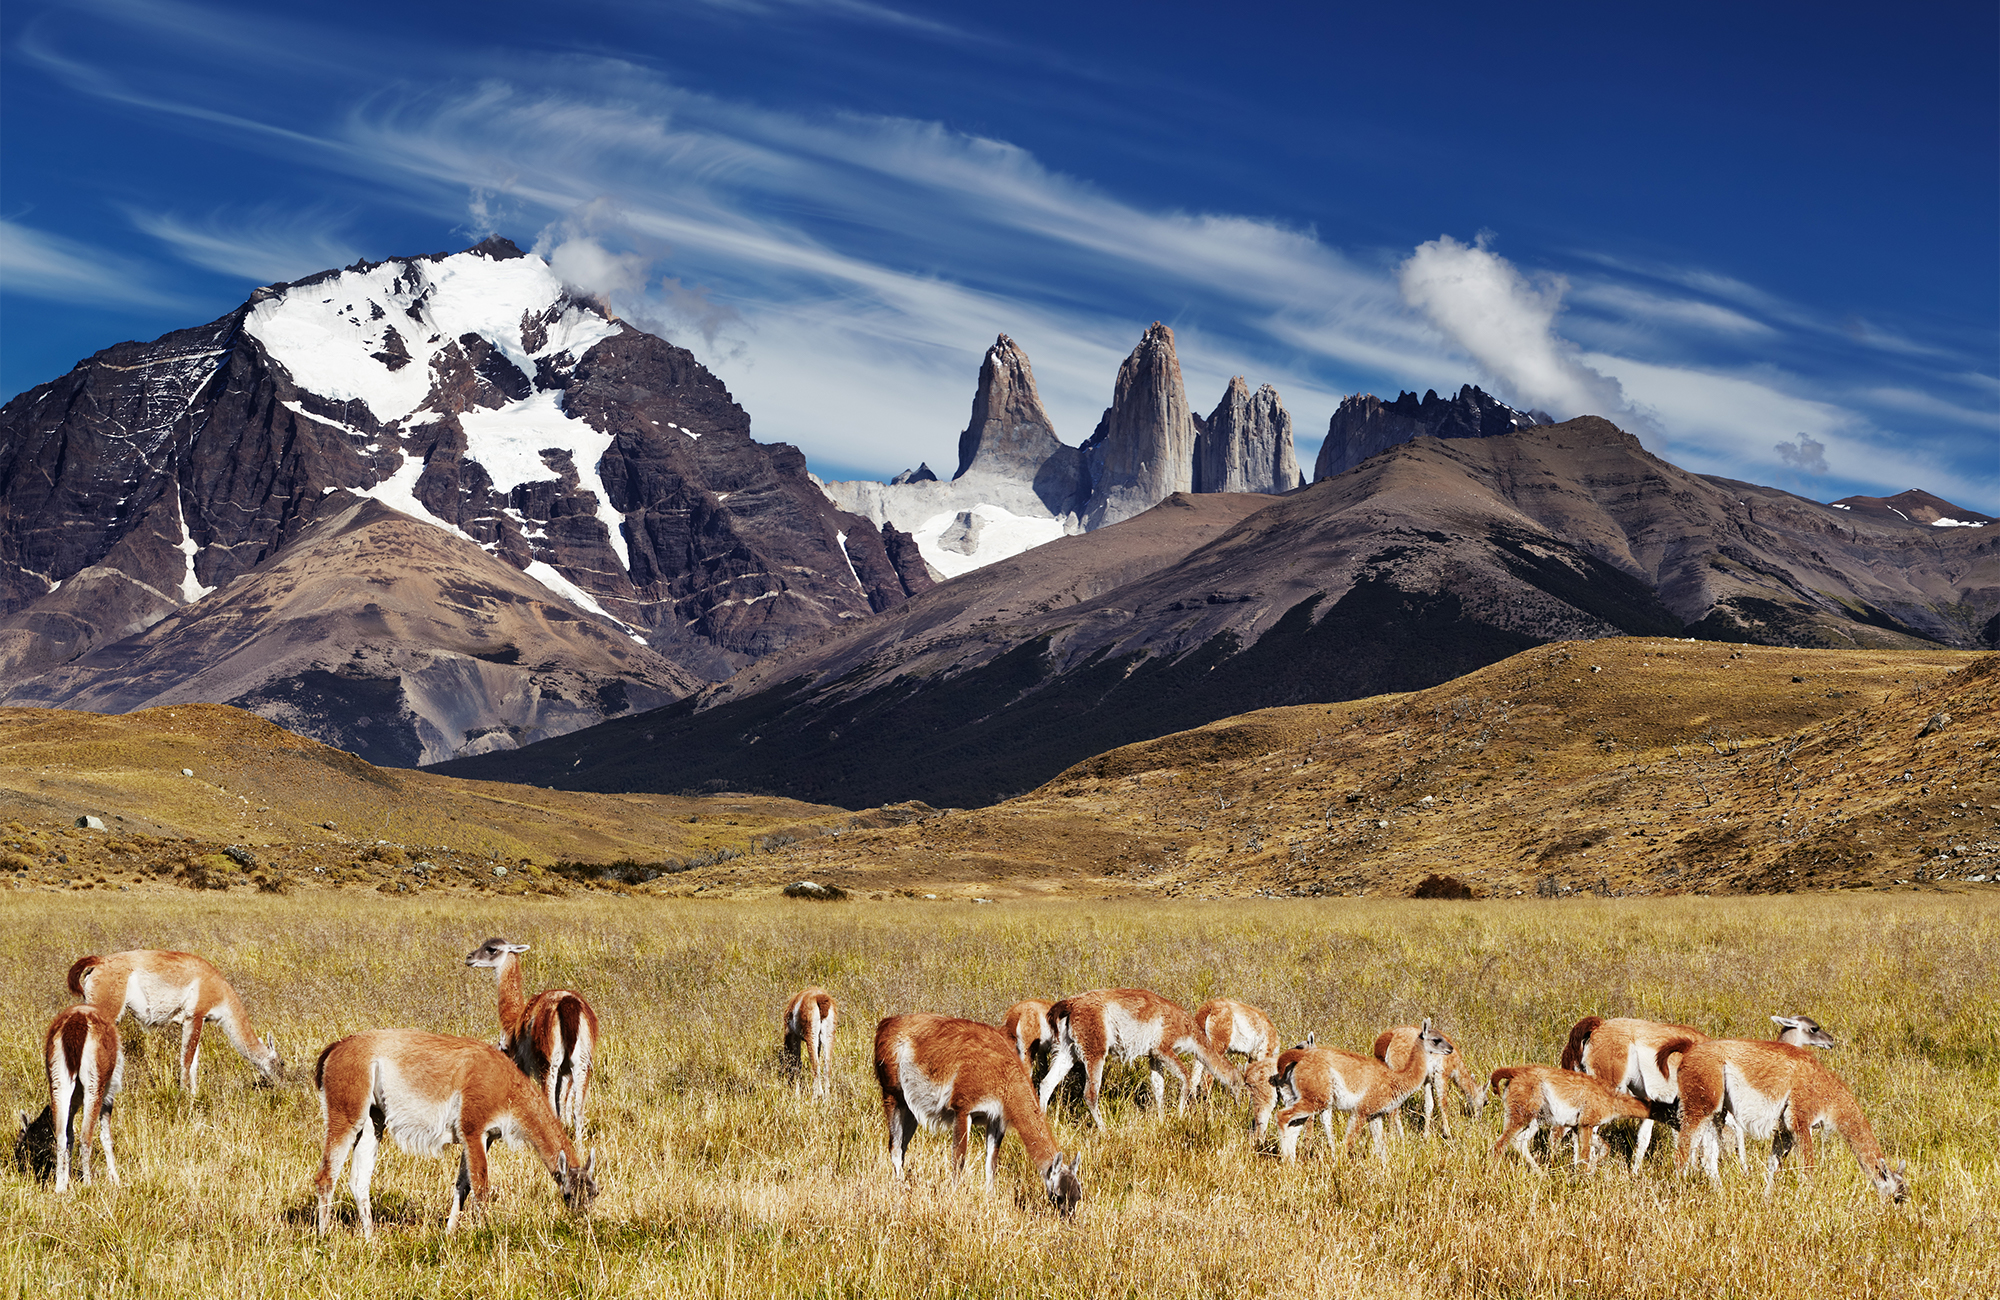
{"type": "Point", "coordinates": [1427, 561]}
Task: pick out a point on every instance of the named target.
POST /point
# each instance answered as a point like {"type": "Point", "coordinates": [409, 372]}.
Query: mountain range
{"type": "Point", "coordinates": [443, 509]}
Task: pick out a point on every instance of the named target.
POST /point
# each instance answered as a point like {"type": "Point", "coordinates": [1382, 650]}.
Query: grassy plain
{"type": "Point", "coordinates": [719, 1181]}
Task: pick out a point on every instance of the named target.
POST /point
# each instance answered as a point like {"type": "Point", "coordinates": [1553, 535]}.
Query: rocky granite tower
{"type": "Point", "coordinates": [1143, 449]}
{"type": "Point", "coordinates": [1010, 436]}
{"type": "Point", "coordinates": [1365, 425]}
{"type": "Point", "coordinates": [1246, 444]}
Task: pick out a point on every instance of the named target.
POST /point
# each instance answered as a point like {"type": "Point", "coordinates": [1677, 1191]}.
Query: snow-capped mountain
{"type": "Point", "coordinates": [470, 392]}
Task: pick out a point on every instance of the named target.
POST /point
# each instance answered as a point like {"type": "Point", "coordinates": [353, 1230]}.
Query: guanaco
{"type": "Point", "coordinates": [1393, 1045]}
{"type": "Point", "coordinates": [1027, 1023]}
{"type": "Point", "coordinates": [936, 1071]}
{"type": "Point", "coordinates": [177, 987]}
{"type": "Point", "coordinates": [1325, 1080]}
{"type": "Point", "coordinates": [552, 1036]}
{"type": "Point", "coordinates": [809, 1021]}
{"type": "Point", "coordinates": [1562, 1099]}
{"type": "Point", "coordinates": [1132, 1024]}
{"type": "Point", "coordinates": [429, 1091]}
{"type": "Point", "coordinates": [84, 1071]}
{"type": "Point", "coordinates": [1772, 1090]}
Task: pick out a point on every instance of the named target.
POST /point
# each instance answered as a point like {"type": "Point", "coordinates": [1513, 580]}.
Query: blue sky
{"type": "Point", "coordinates": [1765, 237]}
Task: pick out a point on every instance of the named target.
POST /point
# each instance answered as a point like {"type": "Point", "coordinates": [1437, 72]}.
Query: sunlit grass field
{"type": "Point", "coordinates": [719, 1180]}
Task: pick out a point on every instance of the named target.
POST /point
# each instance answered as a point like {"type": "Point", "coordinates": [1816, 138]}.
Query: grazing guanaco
{"type": "Point", "coordinates": [1393, 1045]}
{"type": "Point", "coordinates": [429, 1091]}
{"type": "Point", "coordinates": [1237, 1027]}
{"type": "Point", "coordinates": [936, 1071]}
{"type": "Point", "coordinates": [1771, 1090]}
{"type": "Point", "coordinates": [1623, 1054]}
{"type": "Point", "coordinates": [552, 1036]}
{"type": "Point", "coordinates": [1562, 1099]}
{"type": "Point", "coordinates": [1324, 1080]}
{"type": "Point", "coordinates": [177, 987]}
{"type": "Point", "coordinates": [1027, 1023]}
{"type": "Point", "coordinates": [84, 1073]}
{"type": "Point", "coordinates": [809, 1020]}
{"type": "Point", "coordinates": [1133, 1024]}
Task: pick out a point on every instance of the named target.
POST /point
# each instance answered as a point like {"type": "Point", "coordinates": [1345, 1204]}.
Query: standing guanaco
{"type": "Point", "coordinates": [552, 1036]}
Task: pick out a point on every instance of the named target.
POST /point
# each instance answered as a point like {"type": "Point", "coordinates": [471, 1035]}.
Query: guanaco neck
{"type": "Point", "coordinates": [535, 1121]}
{"type": "Point", "coordinates": [237, 1029]}
{"type": "Point", "coordinates": [1025, 1117]}
{"type": "Point", "coordinates": [513, 998]}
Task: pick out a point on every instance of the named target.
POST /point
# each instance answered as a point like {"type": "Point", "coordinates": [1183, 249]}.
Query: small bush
{"type": "Point", "coordinates": [1440, 886]}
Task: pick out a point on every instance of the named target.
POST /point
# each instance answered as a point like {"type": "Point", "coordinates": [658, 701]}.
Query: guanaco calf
{"type": "Point", "coordinates": [1132, 1024]}
{"type": "Point", "coordinates": [177, 987]}
{"type": "Point", "coordinates": [1324, 1080]}
{"type": "Point", "coordinates": [428, 1092]}
{"type": "Point", "coordinates": [552, 1036]}
{"type": "Point", "coordinates": [937, 1071]}
{"type": "Point", "coordinates": [809, 1020]}
{"type": "Point", "coordinates": [1772, 1090]}
{"type": "Point", "coordinates": [1392, 1046]}
{"type": "Point", "coordinates": [1562, 1099]}
{"type": "Point", "coordinates": [1027, 1023]}
{"type": "Point", "coordinates": [84, 1071]}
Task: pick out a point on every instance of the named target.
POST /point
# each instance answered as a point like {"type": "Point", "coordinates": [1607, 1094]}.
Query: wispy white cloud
{"type": "Point", "coordinates": [1506, 322]}
{"type": "Point", "coordinates": [264, 246]}
{"type": "Point", "coordinates": [1638, 305]}
{"type": "Point", "coordinates": [44, 265]}
{"type": "Point", "coordinates": [1921, 403]}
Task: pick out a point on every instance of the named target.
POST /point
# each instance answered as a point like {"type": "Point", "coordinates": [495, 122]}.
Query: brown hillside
{"type": "Point", "coordinates": [1623, 766]}
{"type": "Point", "coordinates": [307, 813]}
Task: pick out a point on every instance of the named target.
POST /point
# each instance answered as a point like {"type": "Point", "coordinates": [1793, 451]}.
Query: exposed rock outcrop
{"type": "Point", "coordinates": [1245, 445]}
{"type": "Point", "coordinates": [1143, 449]}
{"type": "Point", "coordinates": [1016, 486]}
{"type": "Point", "coordinates": [1365, 425]}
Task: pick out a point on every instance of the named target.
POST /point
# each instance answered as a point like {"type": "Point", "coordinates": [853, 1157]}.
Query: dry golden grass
{"type": "Point", "coordinates": [719, 1181]}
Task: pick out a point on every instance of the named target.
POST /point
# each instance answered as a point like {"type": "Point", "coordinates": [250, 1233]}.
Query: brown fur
{"type": "Point", "coordinates": [1774, 1088]}
{"type": "Point", "coordinates": [1324, 1080]}
{"type": "Point", "coordinates": [1034, 1033]}
{"type": "Point", "coordinates": [181, 988]}
{"type": "Point", "coordinates": [934, 1070]}
{"type": "Point", "coordinates": [1134, 1023]}
{"type": "Point", "coordinates": [552, 1036]}
{"type": "Point", "coordinates": [1620, 1054]}
{"type": "Point", "coordinates": [1562, 1099]}
{"type": "Point", "coordinates": [1393, 1046]}
{"type": "Point", "coordinates": [1238, 1028]}
{"type": "Point", "coordinates": [428, 1091]}
{"type": "Point", "coordinates": [810, 1018]}
{"type": "Point", "coordinates": [84, 1071]}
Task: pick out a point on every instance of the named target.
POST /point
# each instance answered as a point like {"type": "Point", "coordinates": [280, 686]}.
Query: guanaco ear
{"type": "Point", "coordinates": [590, 1165]}
{"type": "Point", "coordinates": [1076, 1164]}
{"type": "Point", "coordinates": [562, 1165]}
{"type": "Point", "coordinates": [1785, 1022]}
{"type": "Point", "coordinates": [513, 947]}
{"type": "Point", "coordinates": [24, 1120]}
{"type": "Point", "coordinates": [1312, 1038]}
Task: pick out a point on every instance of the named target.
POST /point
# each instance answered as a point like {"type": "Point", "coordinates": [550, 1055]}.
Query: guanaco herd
{"type": "Point", "coordinates": [430, 1091]}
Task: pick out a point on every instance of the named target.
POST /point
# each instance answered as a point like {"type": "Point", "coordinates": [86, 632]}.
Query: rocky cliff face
{"type": "Point", "coordinates": [1364, 425]}
{"type": "Point", "coordinates": [1010, 436]}
{"type": "Point", "coordinates": [1143, 449]}
{"type": "Point", "coordinates": [1245, 445]}
{"type": "Point", "coordinates": [1016, 487]}
{"type": "Point", "coordinates": [471, 393]}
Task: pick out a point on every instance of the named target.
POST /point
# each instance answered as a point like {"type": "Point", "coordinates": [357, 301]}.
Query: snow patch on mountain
{"type": "Point", "coordinates": [508, 444]}
{"type": "Point", "coordinates": [328, 334]}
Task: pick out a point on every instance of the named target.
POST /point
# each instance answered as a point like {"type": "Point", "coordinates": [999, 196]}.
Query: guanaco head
{"type": "Point", "coordinates": [493, 954]}
{"type": "Point", "coordinates": [35, 1145]}
{"type": "Point", "coordinates": [1802, 1031]}
{"type": "Point", "coordinates": [579, 1186]}
{"type": "Point", "coordinates": [1434, 1043]}
{"type": "Point", "coordinates": [1065, 1183]}
{"type": "Point", "coordinates": [1890, 1180]}
{"type": "Point", "coordinates": [272, 1066]}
